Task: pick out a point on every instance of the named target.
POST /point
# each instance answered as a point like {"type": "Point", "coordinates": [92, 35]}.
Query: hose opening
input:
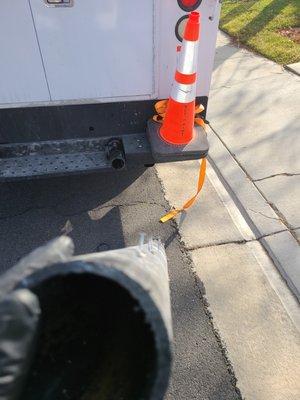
{"type": "Point", "coordinates": [94, 342]}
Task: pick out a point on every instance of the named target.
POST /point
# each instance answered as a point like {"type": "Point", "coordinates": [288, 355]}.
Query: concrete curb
{"type": "Point", "coordinates": [266, 225]}
{"type": "Point", "coordinates": [294, 68]}
{"type": "Point", "coordinates": [284, 250]}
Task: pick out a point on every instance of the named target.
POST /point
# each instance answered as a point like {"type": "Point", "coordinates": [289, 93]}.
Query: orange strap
{"type": "Point", "coordinates": [160, 108]}
{"type": "Point", "coordinates": [172, 214]}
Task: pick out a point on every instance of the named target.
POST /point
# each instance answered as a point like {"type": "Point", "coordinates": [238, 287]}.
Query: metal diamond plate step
{"type": "Point", "coordinates": [75, 156]}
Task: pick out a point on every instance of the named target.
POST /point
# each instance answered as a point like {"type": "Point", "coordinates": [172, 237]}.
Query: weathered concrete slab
{"type": "Point", "coordinates": [252, 106]}
{"type": "Point", "coordinates": [207, 222]}
{"type": "Point", "coordinates": [258, 213]}
{"type": "Point", "coordinates": [254, 125]}
{"type": "Point", "coordinates": [295, 68]}
{"type": "Point", "coordinates": [245, 291]}
{"type": "Point", "coordinates": [262, 341]}
{"type": "Point", "coordinates": [297, 233]}
{"type": "Point", "coordinates": [285, 249]}
{"type": "Point", "coordinates": [226, 51]}
{"type": "Point", "coordinates": [284, 192]}
{"type": "Point", "coordinates": [253, 114]}
{"type": "Point", "coordinates": [233, 65]}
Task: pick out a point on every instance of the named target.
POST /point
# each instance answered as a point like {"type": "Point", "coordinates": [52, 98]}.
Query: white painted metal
{"type": "Point", "coordinates": [170, 13]}
{"type": "Point", "coordinates": [22, 76]}
{"type": "Point", "coordinates": [97, 50]}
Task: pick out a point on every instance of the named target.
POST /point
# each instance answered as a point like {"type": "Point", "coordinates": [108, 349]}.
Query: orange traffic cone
{"type": "Point", "coordinates": [178, 124]}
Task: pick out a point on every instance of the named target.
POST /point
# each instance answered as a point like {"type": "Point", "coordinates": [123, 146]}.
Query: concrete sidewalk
{"type": "Point", "coordinates": [254, 110]}
{"type": "Point", "coordinates": [253, 311]}
{"type": "Point", "coordinates": [243, 228]}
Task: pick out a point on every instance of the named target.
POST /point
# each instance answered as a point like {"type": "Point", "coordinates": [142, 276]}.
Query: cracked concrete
{"type": "Point", "coordinates": [219, 146]}
{"type": "Point", "coordinates": [259, 126]}
{"type": "Point", "coordinates": [256, 119]}
{"type": "Point", "coordinates": [233, 269]}
{"type": "Point", "coordinates": [255, 143]}
{"type": "Point", "coordinates": [261, 340]}
{"type": "Point", "coordinates": [274, 175]}
{"type": "Point", "coordinates": [246, 217]}
{"type": "Point", "coordinates": [284, 192]}
{"type": "Point", "coordinates": [241, 241]}
{"type": "Point", "coordinates": [213, 222]}
{"type": "Point", "coordinates": [255, 208]}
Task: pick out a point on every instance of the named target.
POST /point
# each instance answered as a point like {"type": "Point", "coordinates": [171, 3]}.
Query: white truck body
{"type": "Point", "coordinates": [95, 51]}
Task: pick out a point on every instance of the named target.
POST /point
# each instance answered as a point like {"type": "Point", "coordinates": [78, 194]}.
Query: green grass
{"type": "Point", "coordinates": [255, 23]}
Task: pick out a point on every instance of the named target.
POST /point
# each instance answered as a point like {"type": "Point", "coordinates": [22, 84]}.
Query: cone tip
{"type": "Point", "coordinates": [194, 17]}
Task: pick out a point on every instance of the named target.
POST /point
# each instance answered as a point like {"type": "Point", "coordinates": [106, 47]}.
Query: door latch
{"type": "Point", "coordinates": [59, 3]}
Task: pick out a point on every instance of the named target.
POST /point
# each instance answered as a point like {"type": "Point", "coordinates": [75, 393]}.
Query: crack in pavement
{"type": "Point", "coordinates": [239, 241]}
{"type": "Point", "coordinates": [266, 216]}
{"type": "Point", "coordinates": [281, 217]}
{"type": "Point", "coordinates": [280, 174]}
{"type": "Point", "coordinates": [110, 205]}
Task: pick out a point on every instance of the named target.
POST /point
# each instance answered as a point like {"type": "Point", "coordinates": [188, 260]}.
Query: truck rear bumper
{"type": "Point", "coordinates": [53, 141]}
{"type": "Point", "coordinates": [20, 161]}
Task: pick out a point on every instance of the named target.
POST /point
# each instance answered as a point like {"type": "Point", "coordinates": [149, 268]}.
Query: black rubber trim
{"type": "Point", "coordinates": [165, 152]}
{"type": "Point", "coordinates": [34, 124]}
{"type": "Point", "coordinates": [177, 27]}
{"type": "Point", "coordinates": [189, 9]}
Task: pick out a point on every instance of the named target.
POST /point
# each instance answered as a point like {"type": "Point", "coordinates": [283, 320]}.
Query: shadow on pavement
{"type": "Point", "coordinates": [84, 207]}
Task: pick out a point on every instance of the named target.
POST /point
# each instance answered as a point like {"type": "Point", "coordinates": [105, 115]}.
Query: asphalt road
{"type": "Point", "coordinates": [108, 212]}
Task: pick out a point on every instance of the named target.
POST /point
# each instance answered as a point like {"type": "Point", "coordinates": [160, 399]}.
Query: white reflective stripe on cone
{"type": "Point", "coordinates": [183, 93]}
{"type": "Point", "coordinates": [188, 57]}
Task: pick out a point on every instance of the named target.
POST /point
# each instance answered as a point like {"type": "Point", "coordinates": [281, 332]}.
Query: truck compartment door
{"type": "Point", "coordinates": [22, 77]}
{"type": "Point", "coordinates": [97, 49]}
